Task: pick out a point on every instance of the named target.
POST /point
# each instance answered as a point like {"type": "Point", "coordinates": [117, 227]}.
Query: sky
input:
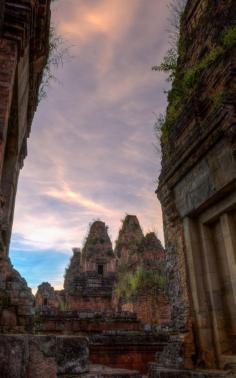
{"type": "Point", "coordinates": [92, 151]}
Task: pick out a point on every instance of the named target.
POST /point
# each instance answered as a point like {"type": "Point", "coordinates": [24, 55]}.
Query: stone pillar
{"type": "Point", "coordinates": [229, 237]}
{"type": "Point", "coordinates": [211, 258]}
{"type": "Point", "coordinates": [194, 260]}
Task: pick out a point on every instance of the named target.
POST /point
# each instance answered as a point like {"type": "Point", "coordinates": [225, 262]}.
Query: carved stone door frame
{"type": "Point", "coordinates": [210, 241]}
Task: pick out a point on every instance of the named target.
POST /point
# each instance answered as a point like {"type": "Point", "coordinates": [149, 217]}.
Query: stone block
{"type": "Point", "coordinates": [72, 355]}
{"type": "Point", "coordinates": [42, 361]}
{"type": "Point", "coordinates": [25, 356]}
{"type": "Point", "coordinates": [8, 318]}
{"type": "Point", "coordinates": [13, 356]}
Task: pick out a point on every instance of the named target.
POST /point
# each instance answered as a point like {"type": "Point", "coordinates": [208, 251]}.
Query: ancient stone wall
{"type": "Point", "coordinates": [86, 322]}
{"type": "Point", "coordinates": [126, 350]}
{"type": "Point", "coordinates": [197, 186]}
{"type": "Point", "coordinates": [16, 301]}
{"type": "Point", "coordinates": [27, 356]}
{"type": "Point", "coordinates": [150, 309]}
{"type": "Point", "coordinates": [24, 46]}
{"type": "Point", "coordinates": [23, 54]}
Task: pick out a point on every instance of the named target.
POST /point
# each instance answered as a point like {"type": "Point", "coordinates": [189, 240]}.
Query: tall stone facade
{"type": "Point", "coordinates": [197, 190]}
{"type": "Point", "coordinates": [24, 47]}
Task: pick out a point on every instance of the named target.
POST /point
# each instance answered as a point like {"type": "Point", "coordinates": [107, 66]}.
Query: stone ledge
{"type": "Point", "coordinates": [163, 372]}
{"type": "Point", "coordinates": [100, 371]}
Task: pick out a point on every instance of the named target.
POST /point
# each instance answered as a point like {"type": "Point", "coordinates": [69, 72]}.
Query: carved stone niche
{"type": "Point", "coordinates": [206, 200]}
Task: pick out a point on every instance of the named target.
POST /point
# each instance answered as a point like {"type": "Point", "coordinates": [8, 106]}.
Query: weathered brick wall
{"type": "Point", "coordinates": [150, 309]}
{"type": "Point", "coordinates": [16, 301]}
{"type": "Point", "coordinates": [24, 34]}
{"type": "Point", "coordinates": [93, 303]}
{"type": "Point", "coordinates": [198, 181]}
{"type": "Point", "coordinates": [126, 350]}
{"type": "Point", "coordinates": [90, 322]}
{"type": "Point", "coordinates": [24, 46]}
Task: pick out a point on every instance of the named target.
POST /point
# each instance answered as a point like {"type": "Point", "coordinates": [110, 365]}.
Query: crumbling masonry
{"type": "Point", "coordinates": [197, 189]}
{"type": "Point", "coordinates": [198, 193]}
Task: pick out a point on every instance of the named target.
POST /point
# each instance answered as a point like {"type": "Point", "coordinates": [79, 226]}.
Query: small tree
{"type": "Point", "coordinates": [169, 63]}
{"type": "Point", "coordinates": [57, 52]}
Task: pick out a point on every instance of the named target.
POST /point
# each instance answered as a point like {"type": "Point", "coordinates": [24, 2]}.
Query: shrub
{"type": "Point", "coordinates": [229, 38]}
{"type": "Point", "coordinates": [141, 281]}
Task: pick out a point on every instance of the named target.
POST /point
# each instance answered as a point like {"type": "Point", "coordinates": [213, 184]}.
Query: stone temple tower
{"type": "Point", "coordinates": [90, 277]}
{"type": "Point", "coordinates": [97, 254]}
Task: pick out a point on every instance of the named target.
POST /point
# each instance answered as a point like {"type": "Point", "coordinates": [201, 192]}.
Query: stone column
{"type": "Point", "coordinates": [229, 237]}
{"type": "Point", "coordinates": [211, 285]}
{"type": "Point", "coordinates": [196, 274]}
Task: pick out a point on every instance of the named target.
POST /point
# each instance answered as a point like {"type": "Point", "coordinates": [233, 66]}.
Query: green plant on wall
{"type": "Point", "coordinates": [57, 51]}
{"type": "Point", "coordinates": [141, 281]}
{"type": "Point", "coordinates": [56, 54]}
{"type": "Point", "coordinates": [184, 83]}
{"type": "Point", "coordinates": [131, 244]}
{"type": "Point", "coordinates": [229, 37]}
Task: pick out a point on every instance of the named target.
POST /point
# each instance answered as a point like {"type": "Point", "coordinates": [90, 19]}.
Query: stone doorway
{"type": "Point", "coordinates": [211, 258]}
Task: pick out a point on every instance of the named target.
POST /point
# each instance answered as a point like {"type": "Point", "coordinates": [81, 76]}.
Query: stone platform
{"type": "Point", "coordinates": [29, 356]}
{"type": "Point", "coordinates": [162, 372]}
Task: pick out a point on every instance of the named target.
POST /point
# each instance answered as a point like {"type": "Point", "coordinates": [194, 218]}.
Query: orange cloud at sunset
{"type": "Point", "coordinates": [107, 17]}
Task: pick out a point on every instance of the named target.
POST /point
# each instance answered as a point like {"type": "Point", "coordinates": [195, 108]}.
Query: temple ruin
{"type": "Point", "coordinates": [121, 333]}
{"type": "Point", "coordinates": [88, 285]}
{"type": "Point", "coordinates": [91, 277]}
{"type": "Point", "coordinates": [85, 330]}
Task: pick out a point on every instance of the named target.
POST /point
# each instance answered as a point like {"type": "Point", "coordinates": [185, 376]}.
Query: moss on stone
{"type": "Point", "coordinates": [184, 84]}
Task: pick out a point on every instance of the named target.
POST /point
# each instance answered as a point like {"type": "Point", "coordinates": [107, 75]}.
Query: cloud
{"type": "Point", "coordinates": [39, 266]}
{"type": "Point", "coordinates": [91, 150]}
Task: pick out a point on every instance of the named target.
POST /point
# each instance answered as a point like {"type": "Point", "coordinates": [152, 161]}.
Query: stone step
{"type": "Point", "coordinates": [100, 371]}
